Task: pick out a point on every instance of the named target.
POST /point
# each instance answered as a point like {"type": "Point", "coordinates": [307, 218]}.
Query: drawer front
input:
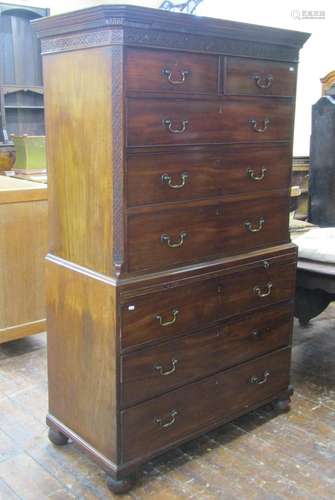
{"type": "Point", "coordinates": [162, 239]}
{"type": "Point", "coordinates": [170, 177]}
{"type": "Point", "coordinates": [232, 119]}
{"type": "Point", "coordinates": [173, 72]}
{"type": "Point", "coordinates": [161, 315]}
{"type": "Point", "coordinates": [256, 77]}
{"type": "Point", "coordinates": [153, 371]}
{"type": "Point", "coordinates": [163, 421]}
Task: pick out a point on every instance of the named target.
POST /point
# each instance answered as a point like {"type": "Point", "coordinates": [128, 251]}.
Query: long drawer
{"type": "Point", "coordinates": [169, 177]}
{"type": "Point", "coordinates": [163, 421]}
{"type": "Point", "coordinates": [155, 370]}
{"type": "Point", "coordinates": [166, 238]}
{"type": "Point", "coordinates": [164, 314]}
{"type": "Point", "coordinates": [232, 119]}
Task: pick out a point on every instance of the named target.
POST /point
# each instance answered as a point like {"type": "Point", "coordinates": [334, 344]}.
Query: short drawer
{"type": "Point", "coordinates": [257, 77]}
{"type": "Point", "coordinates": [159, 178]}
{"type": "Point", "coordinates": [163, 314]}
{"type": "Point", "coordinates": [232, 119]}
{"type": "Point", "coordinates": [171, 72]}
{"type": "Point", "coordinates": [164, 421]}
{"type": "Point", "coordinates": [153, 371]}
{"type": "Point", "coordinates": [161, 239]}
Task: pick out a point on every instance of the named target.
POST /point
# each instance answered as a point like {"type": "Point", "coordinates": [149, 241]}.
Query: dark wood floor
{"type": "Point", "coordinates": [259, 456]}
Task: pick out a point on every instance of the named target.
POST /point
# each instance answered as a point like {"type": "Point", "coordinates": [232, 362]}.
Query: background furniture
{"type": "Point", "coordinates": [300, 178]}
{"type": "Point", "coordinates": [21, 91]}
{"type": "Point", "coordinates": [23, 245]}
{"type": "Point", "coordinates": [315, 272]}
{"type": "Point", "coordinates": [7, 157]}
{"type": "Point", "coordinates": [328, 84]}
{"type": "Point", "coordinates": [322, 169]}
{"type": "Point", "coordinates": [315, 279]}
{"type": "Point", "coordinates": [170, 273]}
{"type": "Point", "coordinates": [30, 152]}
{"type": "Point", "coordinates": [30, 158]}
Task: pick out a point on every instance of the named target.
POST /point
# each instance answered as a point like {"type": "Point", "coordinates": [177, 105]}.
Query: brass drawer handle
{"type": "Point", "coordinates": [252, 175]}
{"type": "Point", "coordinates": [160, 369]}
{"type": "Point", "coordinates": [175, 312]}
{"type": "Point", "coordinates": [167, 238]}
{"type": "Point", "coordinates": [258, 291]}
{"type": "Point", "coordinates": [168, 73]}
{"type": "Point", "coordinates": [260, 381]}
{"type": "Point", "coordinates": [248, 225]}
{"type": "Point", "coordinates": [266, 124]}
{"type": "Point", "coordinates": [263, 82]}
{"type": "Point", "coordinates": [160, 421]}
{"type": "Point", "coordinates": [167, 179]}
{"type": "Point", "coordinates": [168, 125]}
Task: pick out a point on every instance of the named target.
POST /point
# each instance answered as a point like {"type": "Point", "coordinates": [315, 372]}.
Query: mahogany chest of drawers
{"type": "Point", "coordinates": [170, 272]}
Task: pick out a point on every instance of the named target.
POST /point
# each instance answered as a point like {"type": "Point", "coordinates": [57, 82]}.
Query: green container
{"type": "Point", "coordinates": [30, 152]}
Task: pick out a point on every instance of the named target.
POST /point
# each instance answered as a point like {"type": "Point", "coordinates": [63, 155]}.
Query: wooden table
{"type": "Point", "coordinates": [23, 245]}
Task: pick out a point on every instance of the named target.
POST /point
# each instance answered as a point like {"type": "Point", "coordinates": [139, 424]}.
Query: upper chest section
{"type": "Point", "coordinates": [178, 73]}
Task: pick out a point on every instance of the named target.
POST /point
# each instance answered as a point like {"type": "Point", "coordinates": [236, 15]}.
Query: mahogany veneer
{"type": "Point", "coordinates": [170, 272]}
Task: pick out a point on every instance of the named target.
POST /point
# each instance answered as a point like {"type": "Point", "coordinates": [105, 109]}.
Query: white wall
{"type": "Point", "coordinates": [316, 59]}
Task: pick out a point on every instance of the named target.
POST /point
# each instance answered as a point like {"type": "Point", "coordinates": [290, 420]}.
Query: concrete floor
{"type": "Point", "coordinates": [259, 456]}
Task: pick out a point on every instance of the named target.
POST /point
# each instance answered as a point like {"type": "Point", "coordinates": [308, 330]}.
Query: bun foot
{"type": "Point", "coordinates": [57, 437]}
{"type": "Point", "coordinates": [282, 405]}
{"type": "Point", "coordinates": [304, 322]}
{"type": "Point", "coordinates": [120, 486]}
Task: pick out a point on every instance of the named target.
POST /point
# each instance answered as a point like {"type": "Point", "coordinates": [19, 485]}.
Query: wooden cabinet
{"type": "Point", "coordinates": [170, 272]}
{"type": "Point", "coordinates": [23, 246]}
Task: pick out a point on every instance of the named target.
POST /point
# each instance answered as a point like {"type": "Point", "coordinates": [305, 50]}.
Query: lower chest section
{"type": "Point", "coordinates": [202, 350]}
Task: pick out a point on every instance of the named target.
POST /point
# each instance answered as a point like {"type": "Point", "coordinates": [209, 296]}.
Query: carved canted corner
{"type": "Point", "coordinates": [118, 157]}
